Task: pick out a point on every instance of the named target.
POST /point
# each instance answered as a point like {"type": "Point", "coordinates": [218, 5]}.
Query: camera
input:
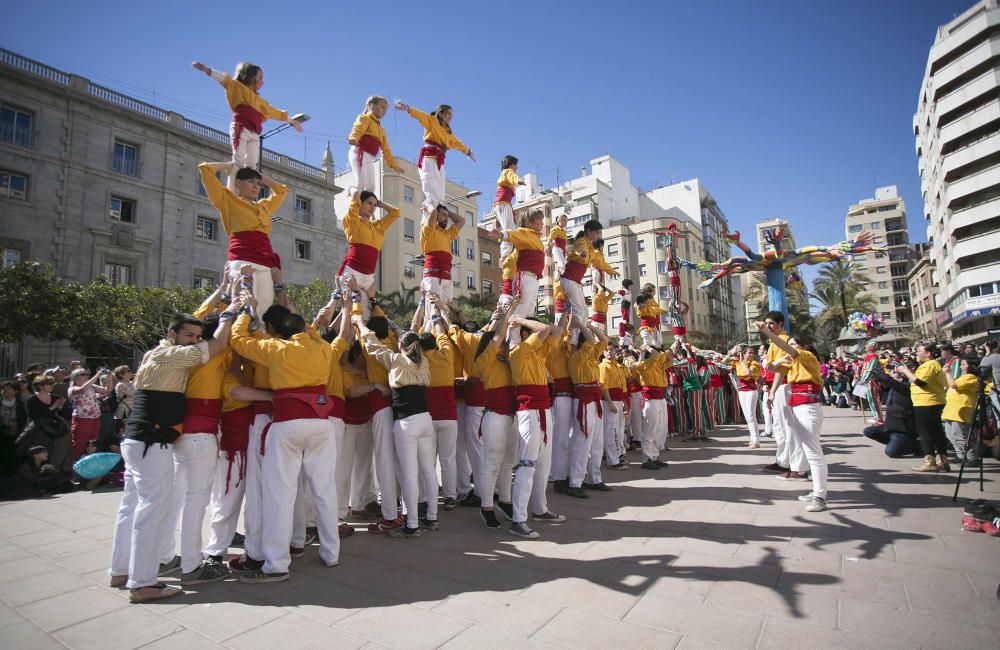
{"type": "Point", "coordinates": [984, 372]}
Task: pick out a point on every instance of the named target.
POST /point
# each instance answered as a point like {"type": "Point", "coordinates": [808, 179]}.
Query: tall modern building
{"type": "Point", "coordinates": [885, 216]}
{"type": "Point", "coordinates": [96, 182]}
{"type": "Point", "coordinates": [957, 133]}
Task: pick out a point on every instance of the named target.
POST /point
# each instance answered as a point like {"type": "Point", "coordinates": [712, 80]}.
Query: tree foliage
{"type": "Point", "coordinates": [308, 299]}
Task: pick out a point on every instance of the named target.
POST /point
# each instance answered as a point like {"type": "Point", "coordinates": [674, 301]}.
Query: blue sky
{"type": "Point", "coordinates": [783, 109]}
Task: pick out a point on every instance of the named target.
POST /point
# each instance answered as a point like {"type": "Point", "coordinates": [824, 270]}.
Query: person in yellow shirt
{"type": "Point", "coordinates": [652, 371]}
{"type": "Point", "coordinates": [557, 245]}
{"type": "Point", "coordinates": [465, 335]}
{"type": "Point", "coordinates": [928, 389]}
{"type": "Point", "coordinates": [790, 461]}
{"type": "Point", "coordinates": [508, 271]}
{"type": "Point", "coordinates": [557, 364]}
{"type": "Point", "coordinates": [300, 438]}
{"type": "Point", "coordinates": [436, 236]}
{"type": "Point", "coordinates": [250, 111]}
{"type": "Point", "coordinates": [959, 408]}
{"type": "Point", "coordinates": [365, 236]}
{"type": "Point", "coordinates": [805, 420]}
{"type": "Point", "coordinates": [367, 138]}
{"type": "Point", "coordinates": [504, 199]}
{"type": "Point", "coordinates": [527, 365]}
{"type": "Point", "coordinates": [649, 311]}
{"type": "Point", "coordinates": [529, 264]}
{"type": "Point", "coordinates": [613, 382]}
{"type": "Point", "coordinates": [581, 257]}
{"type": "Point", "coordinates": [747, 371]}
{"type": "Point", "coordinates": [599, 308]}
{"type": "Point", "coordinates": [587, 435]}
{"type": "Point", "coordinates": [438, 139]}
{"type": "Point", "coordinates": [600, 266]}
{"type": "Point", "coordinates": [247, 221]}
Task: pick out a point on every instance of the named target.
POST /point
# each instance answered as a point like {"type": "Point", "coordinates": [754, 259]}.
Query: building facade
{"type": "Point", "coordinates": [95, 182]}
{"type": "Point", "coordinates": [923, 282]}
{"type": "Point", "coordinates": [957, 131]}
{"type": "Point", "coordinates": [887, 271]}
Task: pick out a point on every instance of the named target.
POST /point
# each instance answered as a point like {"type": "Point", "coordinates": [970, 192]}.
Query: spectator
{"type": "Point", "coordinates": [45, 478]}
{"type": "Point", "coordinates": [960, 404]}
{"type": "Point", "coordinates": [898, 432]}
{"type": "Point", "coordinates": [75, 365]}
{"type": "Point", "coordinates": [124, 390]}
{"type": "Point", "coordinates": [61, 389]}
{"type": "Point", "coordinates": [927, 389]}
{"type": "Point", "coordinates": [13, 419]}
{"type": "Point", "coordinates": [47, 426]}
{"type": "Point", "coordinates": [992, 361]}
{"type": "Point", "coordinates": [86, 422]}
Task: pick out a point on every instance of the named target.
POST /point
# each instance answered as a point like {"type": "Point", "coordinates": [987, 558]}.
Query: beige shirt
{"type": "Point", "coordinates": [165, 367]}
{"type": "Point", "coordinates": [402, 371]}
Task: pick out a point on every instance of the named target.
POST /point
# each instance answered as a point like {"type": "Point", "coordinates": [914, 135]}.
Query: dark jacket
{"type": "Point", "coordinates": [899, 408]}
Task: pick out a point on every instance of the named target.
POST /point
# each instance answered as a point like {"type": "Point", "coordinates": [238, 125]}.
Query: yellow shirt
{"type": "Point", "coordinates": [301, 361]}
{"type": "Point", "coordinates": [239, 94]}
{"type": "Point", "coordinates": [527, 361]}
{"type": "Point", "coordinates": [509, 180]}
{"type": "Point", "coordinates": [256, 374]}
{"type": "Point", "coordinates": [652, 371]}
{"type": "Point", "coordinates": [436, 133]}
{"type": "Point", "coordinates": [434, 238]}
{"type": "Point", "coordinates": [748, 371]}
{"type": "Point", "coordinates": [612, 375]}
{"type": "Point", "coordinates": [558, 293]}
{"type": "Point", "coordinates": [960, 401]}
{"type": "Point", "coordinates": [557, 361]}
{"type": "Point", "coordinates": [601, 265]}
{"type": "Point", "coordinates": [229, 382]}
{"type": "Point", "coordinates": [583, 364]}
{"type": "Point", "coordinates": [442, 362]}
{"type": "Point", "coordinates": [205, 381]}
{"type": "Point", "coordinates": [335, 380]}
{"type": "Point", "coordinates": [237, 214]}
{"type": "Point", "coordinates": [774, 352]}
{"type": "Point", "coordinates": [556, 232]}
{"type": "Point", "coordinates": [525, 239]}
{"type": "Point", "coordinates": [804, 369]}
{"type": "Point", "coordinates": [466, 344]}
{"type": "Point", "coordinates": [360, 231]}
{"type": "Point", "coordinates": [508, 266]}
{"type": "Point", "coordinates": [495, 373]}
{"type": "Point", "coordinates": [651, 309]}
{"type": "Point", "coordinates": [934, 392]}
{"type": "Point", "coordinates": [368, 124]}
{"type": "Point", "coordinates": [599, 303]}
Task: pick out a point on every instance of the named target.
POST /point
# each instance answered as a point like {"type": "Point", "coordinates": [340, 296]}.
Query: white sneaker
{"type": "Point", "coordinates": [818, 504]}
{"type": "Point", "coordinates": [807, 497]}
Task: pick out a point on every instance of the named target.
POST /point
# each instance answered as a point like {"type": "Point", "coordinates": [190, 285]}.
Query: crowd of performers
{"type": "Point", "coordinates": [307, 425]}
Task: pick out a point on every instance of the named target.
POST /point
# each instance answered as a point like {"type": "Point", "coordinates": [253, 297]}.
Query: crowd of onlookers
{"type": "Point", "coordinates": [52, 417]}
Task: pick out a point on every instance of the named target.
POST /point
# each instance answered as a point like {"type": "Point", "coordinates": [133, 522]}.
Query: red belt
{"type": "Point", "coordinates": [599, 317]}
{"type": "Point", "coordinates": [437, 264]}
{"type": "Point", "coordinates": [560, 305]}
{"type": "Point", "coordinates": [369, 144]}
{"type": "Point", "coordinates": [531, 261]}
{"type": "Point", "coordinates": [746, 384]}
{"type": "Point", "coordinates": [769, 378]}
{"type": "Point", "coordinates": [360, 257]}
{"type": "Point", "coordinates": [560, 243]}
{"type": "Point", "coordinates": [459, 390]}
{"type": "Point", "coordinates": [306, 403]}
{"type": "Point", "coordinates": [563, 386]}
{"type": "Point", "coordinates": [431, 150]}
{"type": "Point", "coordinates": [501, 400]}
{"type": "Point", "coordinates": [715, 381]}
{"type": "Point", "coordinates": [252, 246]}
{"type": "Point", "coordinates": [249, 118]}
{"type": "Point", "coordinates": [475, 392]}
{"type": "Point", "coordinates": [262, 407]}
{"type": "Point", "coordinates": [586, 394]}
{"type": "Point", "coordinates": [616, 394]}
{"type": "Point", "coordinates": [357, 410]}
{"type": "Point", "coordinates": [377, 401]}
{"type": "Point", "coordinates": [339, 407]}
{"type": "Point", "coordinates": [650, 393]}
{"type": "Point", "coordinates": [652, 322]}
{"type": "Point", "coordinates": [574, 271]}
{"type": "Point", "coordinates": [441, 403]}
{"type": "Point", "coordinates": [531, 397]}
{"type": "Point", "coordinates": [504, 194]}
{"type": "Point", "coordinates": [507, 289]}
{"type": "Point", "coordinates": [236, 440]}
{"type": "Point", "coordinates": [202, 415]}
{"type": "Point", "coordinates": [804, 393]}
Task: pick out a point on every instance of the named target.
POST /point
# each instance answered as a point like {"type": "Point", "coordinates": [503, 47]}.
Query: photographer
{"type": "Point", "coordinates": [86, 423]}
{"type": "Point", "coordinates": [898, 432]}
{"type": "Point", "coordinates": [992, 361]}
{"type": "Point", "coordinates": [959, 407]}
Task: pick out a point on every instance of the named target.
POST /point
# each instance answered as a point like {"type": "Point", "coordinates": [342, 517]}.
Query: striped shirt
{"type": "Point", "coordinates": [165, 367]}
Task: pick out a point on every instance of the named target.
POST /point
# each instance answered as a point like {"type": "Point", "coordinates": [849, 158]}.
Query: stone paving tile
{"type": "Point", "coordinates": [501, 611]}
{"type": "Point", "coordinates": [782, 633]}
{"type": "Point", "coordinates": [185, 639]}
{"type": "Point", "coordinates": [576, 629]}
{"type": "Point", "coordinates": [9, 615]}
{"type": "Point", "coordinates": [728, 627]}
{"type": "Point", "coordinates": [914, 629]}
{"type": "Point", "coordinates": [295, 631]}
{"type": "Point", "coordinates": [41, 585]}
{"type": "Point", "coordinates": [585, 596]}
{"type": "Point", "coordinates": [131, 627]}
{"type": "Point", "coordinates": [485, 638]}
{"type": "Point", "coordinates": [220, 621]}
{"type": "Point", "coordinates": [785, 602]}
{"type": "Point", "coordinates": [28, 635]}
{"type": "Point", "coordinates": [77, 606]}
{"type": "Point", "coordinates": [404, 626]}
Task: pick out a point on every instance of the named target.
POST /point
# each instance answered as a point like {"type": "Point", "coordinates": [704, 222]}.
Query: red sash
{"type": "Point", "coordinates": [563, 386]}
{"type": "Point", "coordinates": [652, 322]}
{"type": "Point", "coordinates": [202, 415]}
{"type": "Point", "coordinates": [633, 386]}
{"type": "Point", "coordinates": [263, 407]}
{"type": "Point", "coordinates": [339, 406]}
{"type": "Point", "coordinates": [437, 264]}
{"type": "Point", "coordinates": [534, 397]}
{"type": "Point", "coordinates": [531, 262]}
{"type": "Point", "coordinates": [745, 384]}
{"type": "Point", "coordinates": [475, 392]}
{"type": "Point", "coordinates": [504, 194]}
{"type": "Point", "coordinates": [369, 144]}
{"type": "Point", "coordinates": [507, 289]}
{"type": "Point", "coordinates": [598, 317]}
{"type": "Point", "coordinates": [249, 118]}
{"type": "Point", "coordinates": [560, 243]}
{"type": "Point", "coordinates": [560, 306]}
{"type": "Point", "coordinates": [305, 403]}
{"type": "Point", "coordinates": [804, 393]}
{"type": "Point", "coordinates": [252, 246]}
{"type": "Point", "coordinates": [501, 400]}
{"type": "Point", "coordinates": [377, 401]}
{"type": "Point", "coordinates": [441, 403]}
{"type": "Point", "coordinates": [574, 271]}
{"type": "Point", "coordinates": [715, 381]}
{"type": "Point", "coordinates": [769, 378]}
{"type": "Point", "coordinates": [616, 394]}
{"type": "Point", "coordinates": [360, 257]}
{"type": "Point", "coordinates": [459, 390]}
{"type": "Point", "coordinates": [650, 393]}
{"type": "Point", "coordinates": [357, 410]}
{"type": "Point", "coordinates": [585, 394]}
{"type": "Point", "coordinates": [433, 151]}
{"type": "Point", "coordinates": [236, 440]}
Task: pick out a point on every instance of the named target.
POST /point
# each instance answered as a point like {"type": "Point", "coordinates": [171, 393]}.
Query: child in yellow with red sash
{"type": "Point", "coordinates": [365, 237]}
{"type": "Point", "coordinates": [438, 139]}
{"type": "Point", "coordinates": [367, 139]}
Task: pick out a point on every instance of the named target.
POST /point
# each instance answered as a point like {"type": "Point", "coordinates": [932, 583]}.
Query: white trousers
{"type": "Point", "coordinates": [227, 499]}
{"type": "Point", "coordinates": [446, 441]}
{"type": "Point", "coordinates": [562, 422]}
{"type": "Point", "coordinates": [539, 502]}
{"type": "Point", "coordinates": [576, 302]}
{"type": "Point", "coordinates": [614, 433]}
{"type": "Point", "coordinates": [445, 289]}
{"type": "Point", "coordinates": [342, 473]}
{"type": "Point", "coordinates": [635, 416]}
{"type": "Point", "coordinates": [432, 181]}
{"type": "Point", "coordinates": [385, 461]}
{"type": "Point", "coordinates": [528, 305]}
{"type": "Point", "coordinates": [789, 451]}
{"type": "Point", "coordinates": [804, 426]}
{"type": "Point", "coordinates": [246, 150]}
{"type": "Point", "coordinates": [362, 473]}
{"type": "Point", "coordinates": [474, 446]}
{"type": "Point", "coordinates": [253, 510]}
{"type": "Point", "coordinates": [527, 478]}
{"type": "Point", "coordinates": [499, 449]}
{"type": "Point", "coordinates": [584, 443]}
{"type": "Point", "coordinates": [309, 446]}
{"type": "Point", "coordinates": [363, 165]}
{"type": "Point", "coordinates": [304, 511]}
{"type": "Point", "coordinates": [654, 427]}
{"type": "Point", "coordinates": [196, 456]}
{"type": "Point", "coordinates": [414, 438]}
{"type": "Point", "coordinates": [143, 515]}
{"type": "Point", "coordinates": [748, 403]}
{"type": "Point", "coordinates": [505, 217]}
{"type": "Point", "coordinates": [263, 285]}
{"type": "Point", "coordinates": [365, 282]}
{"type": "Point", "coordinates": [463, 468]}
{"type": "Point", "coordinates": [559, 259]}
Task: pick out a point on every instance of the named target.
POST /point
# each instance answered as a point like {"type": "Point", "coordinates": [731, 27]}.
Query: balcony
{"type": "Point", "coordinates": [15, 135]}
{"type": "Point", "coordinates": [974, 57]}
{"type": "Point", "coordinates": [125, 165]}
{"type": "Point", "coordinates": [975, 214]}
{"type": "Point", "coordinates": [988, 145]}
{"type": "Point", "coordinates": [976, 245]}
{"type": "Point", "coordinates": [968, 92]}
{"type": "Point", "coordinates": [303, 216]}
{"type": "Point", "coordinates": [973, 183]}
{"type": "Point", "coordinates": [970, 121]}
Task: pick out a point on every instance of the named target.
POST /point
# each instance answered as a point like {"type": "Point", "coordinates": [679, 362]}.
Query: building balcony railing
{"type": "Point", "coordinates": [15, 135]}
{"type": "Point", "coordinates": [34, 67]}
{"type": "Point", "coordinates": [127, 166]}
{"type": "Point", "coordinates": [303, 216]}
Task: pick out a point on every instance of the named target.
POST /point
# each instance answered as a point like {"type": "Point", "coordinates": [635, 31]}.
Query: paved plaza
{"type": "Point", "coordinates": [711, 553]}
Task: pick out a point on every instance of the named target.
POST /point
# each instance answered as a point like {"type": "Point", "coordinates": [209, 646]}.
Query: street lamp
{"type": "Point", "coordinates": [298, 117]}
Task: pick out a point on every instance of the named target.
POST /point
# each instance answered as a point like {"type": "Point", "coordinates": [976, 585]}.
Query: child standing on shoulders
{"type": "Point", "coordinates": [365, 237]}
{"type": "Point", "coordinates": [438, 139]}
{"type": "Point", "coordinates": [367, 138]}
{"type": "Point", "coordinates": [503, 202]}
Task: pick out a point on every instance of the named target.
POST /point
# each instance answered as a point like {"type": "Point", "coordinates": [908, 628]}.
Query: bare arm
{"type": "Point", "coordinates": [418, 316]}
{"type": "Point", "coordinates": [248, 394]}
{"type": "Point", "coordinates": [777, 340]}
{"type": "Point", "coordinates": [220, 342]}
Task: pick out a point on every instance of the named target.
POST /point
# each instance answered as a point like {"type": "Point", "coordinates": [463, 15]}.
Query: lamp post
{"type": "Point", "coordinates": [298, 117]}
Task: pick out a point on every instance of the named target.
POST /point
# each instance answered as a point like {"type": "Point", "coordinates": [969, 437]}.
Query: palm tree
{"type": "Point", "coordinates": [840, 277]}
{"type": "Point", "coordinates": [836, 305]}
{"type": "Point", "coordinates": [399, 303]}
{"type": "Point", "coordinates": [478, 301]}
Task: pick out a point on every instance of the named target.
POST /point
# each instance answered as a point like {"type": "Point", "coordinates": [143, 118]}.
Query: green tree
{"type": "Point", "coordinates": [308, 299]}
{"type": "Point", "coordinates": [841, 288]}
{"type": "Point", "coordinates": [400, 305]}
{"type": "Point", "coordinates": [33, 302]}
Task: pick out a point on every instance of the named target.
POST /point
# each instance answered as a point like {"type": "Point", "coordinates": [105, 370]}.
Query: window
{"type": "Point", "coordinates": [122, 209]}
{"type": "Point", "coordinates": [661, 267]}
{"type": "Point", "coordinates": [885, 316]}
{"type": "Point", "coordinates": [642, 270]}
{"type": "Point", "coordinates": [201, 187]}
{"type": "Point", "coordinates": [407, 194]}
{"type": "Point", "coordinates": [204, 280]}
{"type": "Point", "coordinates": [856, 228]}
{"type": "Point", "coordinates": [408, 267]}
{"type": "Point", "coordinates": [14, 186]}
{"type": "Point", "coordinates": [883, 285]}
{"type": "Point", "coordinates": [408, 227]}
{"type": "Point", "coordinates": [126, 160]}
{"type": "Point", "coordinates": [879, 269]}
{"type": "Point", "coordinates": [612, 249]}
{"type": "Point", "coordinates": [487, 259]}
{"type": "Point", "coordinates": [487, 287]}
{"type": "Point", "coordinates": [11, 257]}
{"type": "Point", "coordinates": [264, 192]}
{"type": "Point", "coordinates": [470, 251]}
{"type": "Point", "coordinates": [15, 126]}
{"type": "Point", "coordinates": [118, 274]}
{"type": "Point", "coordinates": [883, 300]}
{"type": "Point", "coordinates": [876, 225]}
{"type": "Point", "coordinates": [303, 210]}
{"type": "Point", "coordinates": [302, 250]}
{"type": "Point", "coordinates": [207, 229]}
{"type": "Point", "coordinates": [665, 319]}
{"type": "Point", "coordinates": [454, 247]}
{"type": "Point", "coordinates": [664, 293]}
{"type": "Point", "coordinates": [661, 241]}
{"type": "Point", "coordinates": [640, 245]}
{"type": "Point", "coordinates": [886, 208]}
{"type": "Point", "coordinates": [468, 216]}
{"type": "Point", "coordinates": [470, 280]}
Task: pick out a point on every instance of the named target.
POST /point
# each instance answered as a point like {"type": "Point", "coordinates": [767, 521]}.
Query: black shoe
{"type": "Point", "coordinates": [600, 487]}
{"type": "Point", "coordinates": [489, 518]}
{"type": "Point", "coordinates": [560, 485]}
{"type": "Point", "coordinates": [450, 503]}
{"type": "Point", "coordinates": [659, 462]}
{"type": "Point", "coordinates": [373, 509]}
{"type": "Point", "coordinates": [506, 509]}
{"type": "Point", "coordinates": [650, 464]}
{"type": "Point", "coordinates": [775, 467]}
{"type": "Point", "coordinates": [215, 559]}
{"type": "Point", "coordinates": [616, 466]}
{"type": "Point", "coordinates": [577, 492]}
{"type": "Point", "coordinates": [422, 510]}
{"type": "Point", "coordinates": [471, 500]}
{"type": "Point", "coordinates": [584, 485]}
{"type": "Point", "coordinates": [238, 540]}
{"type": "Point", "coordinates": [312, 535]}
